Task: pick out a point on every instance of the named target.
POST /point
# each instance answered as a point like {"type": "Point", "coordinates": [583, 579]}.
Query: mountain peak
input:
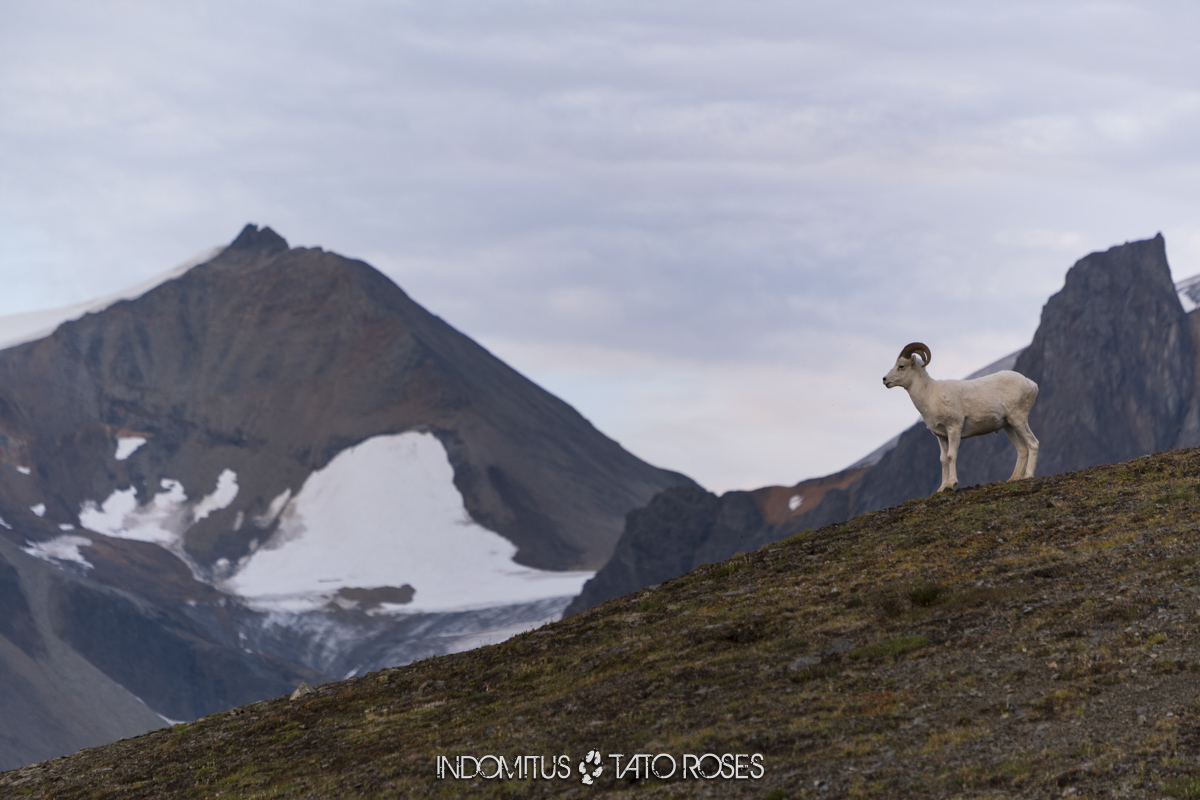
{"type": "Point", "coordinates": [254, 238]}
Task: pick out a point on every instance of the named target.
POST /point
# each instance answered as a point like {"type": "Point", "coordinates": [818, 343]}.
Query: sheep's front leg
{"type": "Point", "coordinates": [952, 439]}
{"type": "Point", "coordinates": [945, 462]}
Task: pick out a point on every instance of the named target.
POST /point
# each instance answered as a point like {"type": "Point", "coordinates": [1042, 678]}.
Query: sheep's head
{"type": "Point", "coordinates": [912, 360]}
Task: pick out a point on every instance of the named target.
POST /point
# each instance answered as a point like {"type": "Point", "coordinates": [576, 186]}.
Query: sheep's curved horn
{"type": "Point", "coordinates": [916, 347]}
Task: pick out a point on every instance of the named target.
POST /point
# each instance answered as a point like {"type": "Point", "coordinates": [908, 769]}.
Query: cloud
{"type": "Point", "coordinates": [732, 193]}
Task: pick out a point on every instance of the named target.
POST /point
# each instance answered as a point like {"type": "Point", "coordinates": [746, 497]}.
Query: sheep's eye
{"type": "Point", "coordinates": [901, 366]}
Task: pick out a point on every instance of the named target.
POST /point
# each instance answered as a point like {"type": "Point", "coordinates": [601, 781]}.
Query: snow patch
{"type": "Point", "coordinates": [386, 513]}
{"type": "Point", "coordinates": [24, 470]}
{"type": "Point", "coordinates": [273, 511]}
{"type": "Point", "coordinates": [126, 445]}
{"type": "Point", "coordinates": [5, 524]}
{"type": "Point", "coordinates": [1189, 293]}
{"type": "Point", "coordinates": [222, 496]}
{"type": "Point", "coordinates": [60, 548]}
{"type": "Point", "coordinates": [164, 519]}
{"type": "Point", "coordinates": [39, 509]}
{"type": "Point", "coordinates": [794, 502]}
{"type": "Point", "coordinates": [161, 521]}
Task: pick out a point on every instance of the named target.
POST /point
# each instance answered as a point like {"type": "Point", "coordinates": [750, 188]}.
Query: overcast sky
{"type": "Point", "coordinates": [709, 226]}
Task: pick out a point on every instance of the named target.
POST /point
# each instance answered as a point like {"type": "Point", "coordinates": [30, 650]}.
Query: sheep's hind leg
{"type": "Point", "coordinates": [1022, 452]}
{"type": "Point", "coordinates": [1031, 444]}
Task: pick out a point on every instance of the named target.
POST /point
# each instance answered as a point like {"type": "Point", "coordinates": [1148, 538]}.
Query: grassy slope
{"type": "Point", "coordinates": [1016, 639]}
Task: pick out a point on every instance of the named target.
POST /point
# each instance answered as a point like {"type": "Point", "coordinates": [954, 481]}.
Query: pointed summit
{"type": "Point", "coordinates": [263, 239]}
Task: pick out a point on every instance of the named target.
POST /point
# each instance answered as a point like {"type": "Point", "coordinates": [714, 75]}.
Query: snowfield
{"type": "Point", "coordinates": [387, 513]}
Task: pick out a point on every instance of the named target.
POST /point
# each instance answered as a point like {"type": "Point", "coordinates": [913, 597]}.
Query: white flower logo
{"type": "Point", "coordinates": [593, 757]}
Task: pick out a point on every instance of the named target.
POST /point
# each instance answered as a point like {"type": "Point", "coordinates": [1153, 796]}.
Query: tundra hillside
{"type": "Point", "coordinates": [1033, 639]}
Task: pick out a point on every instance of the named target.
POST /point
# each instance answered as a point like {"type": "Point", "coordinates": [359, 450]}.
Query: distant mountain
{"type": "Point", "coordinates": [1116, 360]}
{"type": "Point", "coordinates": [268, 468]}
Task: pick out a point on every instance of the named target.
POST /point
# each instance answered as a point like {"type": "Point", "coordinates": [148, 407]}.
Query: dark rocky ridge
{"type": "Point", "coordinates": [1115, 358]}
{"type": "Point", "coordinates": [684, 527]}
{"type": "Point", "coordinates": [269, 361]}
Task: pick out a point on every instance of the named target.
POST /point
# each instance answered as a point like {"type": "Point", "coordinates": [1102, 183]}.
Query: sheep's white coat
{"type": "Point", "coordinates": [956, 410]}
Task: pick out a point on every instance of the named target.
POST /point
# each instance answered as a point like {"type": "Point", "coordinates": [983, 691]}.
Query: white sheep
{"type": "Point", "coordinates": [955, 410]}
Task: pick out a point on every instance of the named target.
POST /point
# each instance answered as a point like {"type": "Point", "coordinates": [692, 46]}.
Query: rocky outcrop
{"type": "Point", "coordinates": [1189, 429]}
{"type": "Point", "coordinates": [1115, 359]}
{"type": "Point", "coordinates": [1115, 354]}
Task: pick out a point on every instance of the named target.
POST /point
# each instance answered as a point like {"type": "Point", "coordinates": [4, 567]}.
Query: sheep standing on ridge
{"type": "Point", "coordinates": [956, 410]}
